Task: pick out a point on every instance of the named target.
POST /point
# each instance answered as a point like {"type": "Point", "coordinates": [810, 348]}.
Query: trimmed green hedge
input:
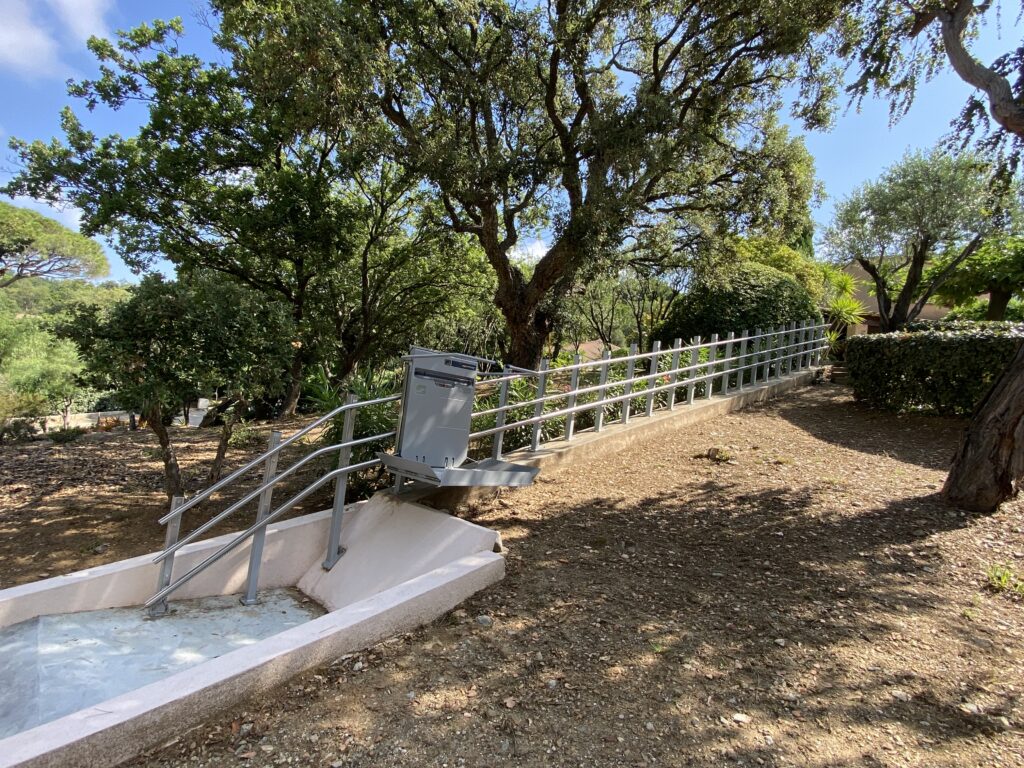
{"type": "Point", "coordinates": [739, 298]}
{"type": "Point", "coordinates": [947, 368]}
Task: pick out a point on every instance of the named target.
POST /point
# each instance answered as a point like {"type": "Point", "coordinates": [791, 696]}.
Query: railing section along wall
{"type": "Point", "coordinates": [513, 410]}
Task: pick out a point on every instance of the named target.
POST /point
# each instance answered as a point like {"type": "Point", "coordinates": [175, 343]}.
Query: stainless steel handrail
{"type": "Point", "coordinates": [226, 481]}
{"type": "Point", "coordinates": [204, 564]}
{"type": "Point", "coordinates": [193, 535]}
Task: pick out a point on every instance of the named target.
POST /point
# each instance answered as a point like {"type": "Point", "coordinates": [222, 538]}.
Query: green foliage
{"type": "Point", "coordinates": [64, 436]}
{"type": "Point", "coordinates": [245, 435]}
{"type": "Point", "coordinates": [894, 227]}
{"type": "Point", "coordinates": [16, 431]}
{"type": "Point", "coordinates": [946, 368]}
{"type": "Point", "coordinates": [763, 250]}
{"type": "Point", "coordinates": [996, 268]}
{"type": "Point", "coordinates": [976, 309]}
{"type": "Point", "coordinates": [171, 341]}
{"type": "Point", "coordinates": [844, 311]}
{"type": "Point", "coordinates": [33, 245]}
{"type": "Point", "coordinates": [740, 298]}
{"type": "Point", "coordinates": [1002, 578]}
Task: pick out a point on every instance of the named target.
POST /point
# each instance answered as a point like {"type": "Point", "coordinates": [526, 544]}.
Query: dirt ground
{"type": "Point", "coordinates": [807, 600]}
{"type": "Point", "coordinates": [64, 507]}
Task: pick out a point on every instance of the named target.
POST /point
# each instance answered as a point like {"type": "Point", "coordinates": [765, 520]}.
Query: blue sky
{"type": "Point", "coordinates": [42, 45]}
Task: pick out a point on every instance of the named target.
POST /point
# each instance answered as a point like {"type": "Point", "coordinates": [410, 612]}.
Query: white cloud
{"type": "Point", "coordinates": [82, 18]}
{"type": "Point", "coordinates": [67, 215]}
{"type": "Point", "coordinates": [530, 251]}
{"type": "Point", "coordinates": [30, 36]}
{"type": "Point", "coordinates": [26, 46]}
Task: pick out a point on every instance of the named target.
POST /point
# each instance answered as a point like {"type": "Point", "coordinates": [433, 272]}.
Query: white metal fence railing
{"type": "Point", "coordinates": [534, 407]}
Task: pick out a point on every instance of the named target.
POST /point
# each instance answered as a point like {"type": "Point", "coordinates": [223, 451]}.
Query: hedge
{"type": "Point", "coordinates": [742, 297]}
{"type": "Point", "coordinates": [946, 368]}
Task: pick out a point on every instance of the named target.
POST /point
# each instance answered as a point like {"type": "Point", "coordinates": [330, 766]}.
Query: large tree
{"type": "Point", "coordinates": [171, 341]}
{"type": "Point", "coordinates": [564, 119]}
{"type": "Point", "coordinates": [997, 269]}
{"type": "Point", "coordinates": [278, 187]}
{"type": "Point", "coordinates": [884, 38]}
{"type": "Point", "coordinates": [894, 228]}
{"type": "Point", "coordinates": [33, 245]}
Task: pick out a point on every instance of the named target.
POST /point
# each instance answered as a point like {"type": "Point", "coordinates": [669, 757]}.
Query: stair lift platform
{"type": "Point", "coordinates": [433, 432]}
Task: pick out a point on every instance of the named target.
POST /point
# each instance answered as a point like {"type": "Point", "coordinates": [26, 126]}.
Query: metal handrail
{"type": "Point", "coordinates": [648, 376]}
{"type": "Point", "coordinates": [259, 525]}
{"type": "Point", "coordinates": [802, 349]}
{"type": "Point", "coordinates": [192, 536]}
{"type": "Point", "coordinates": [226, 481]}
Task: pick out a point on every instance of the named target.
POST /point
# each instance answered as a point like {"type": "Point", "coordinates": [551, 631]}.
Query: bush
{"type": "Point", "coordinates": [946, 368]}
{"type": "Point", "coordinates": [16, 431]}
{"type": "Point", "coordinates": [740, 298]}
{"type": "Point", "coordinates": [61, 436]}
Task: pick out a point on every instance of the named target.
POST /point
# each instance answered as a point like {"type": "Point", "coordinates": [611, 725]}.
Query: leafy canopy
{"type": "Point", "coordinates": [33, 245]}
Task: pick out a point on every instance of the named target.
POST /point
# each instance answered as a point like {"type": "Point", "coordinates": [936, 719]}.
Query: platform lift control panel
{"type": "Point", "coordinates": [433, 432]}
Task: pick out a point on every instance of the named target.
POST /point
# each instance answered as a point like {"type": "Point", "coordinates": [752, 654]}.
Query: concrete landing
{"type": "Point", "coordinates": [51, 666]}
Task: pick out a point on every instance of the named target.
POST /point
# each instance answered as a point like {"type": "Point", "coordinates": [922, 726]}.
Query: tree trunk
{"type": "Point", "coordinates": [295, 371]}
{"type": "Point", "coordinates": [989, 461]}
{"type": "Point", "coordinates": [222, 444]}
{"type": "Point", "coordinates": [527, 336]}
{"type": "Point", "coordinates": [998, 300]}
{"type": "Point", "coordinates": [172, 472]}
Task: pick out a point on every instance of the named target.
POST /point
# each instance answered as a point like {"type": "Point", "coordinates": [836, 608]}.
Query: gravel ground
{"type": "Point", "coordinates": [804, 598]}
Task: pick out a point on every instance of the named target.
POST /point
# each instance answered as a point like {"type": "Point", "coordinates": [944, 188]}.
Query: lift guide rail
{"type": "Point", "coordinates": [433, 432]}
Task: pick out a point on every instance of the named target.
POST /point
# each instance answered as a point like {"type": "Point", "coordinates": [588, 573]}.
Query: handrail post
{"type": "Point", "coordinates": [606, 356]}
{"type": "Point", "coordinates": [709, 377]}
{"type": "Point", "coordinates": [676, 348]}
{"type": "Point", "coordinates": [691, 387]}
{"type": "Point", "coordinates": [652, 371]}
{"type": "Point", "coordinates": [538, 409]}
{"type": "Point", "coordinates": [819, 334]}
{"type": "Point", "coordinates": [499, 420]}
{"type": "Point", "coordinates": [334, 548]}
{"type": "Point", "coordinates": [627, 387]}
{"type": "Point", "coordinates": [755, 371]}
{"type": "Point", "coordinates": [574, 384]}
{"type": "Point", "coordinates": [743, 360]}
{"type": "Point", "coordinates": [780, 332]}
{"type": "Point", "coordinates": [252, 581]}
{"type": "Point", "coordinates": [794, 345]}
{"type": "Point", "coordinates": [728, 365]}
{"type": "Point", "coordinates": [804, 346]}
{"type": "Point", "coordinates": [170, 539]}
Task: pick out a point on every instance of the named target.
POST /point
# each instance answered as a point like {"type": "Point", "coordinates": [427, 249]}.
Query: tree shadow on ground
{"type": "Point", "coordinates": [838, 419]}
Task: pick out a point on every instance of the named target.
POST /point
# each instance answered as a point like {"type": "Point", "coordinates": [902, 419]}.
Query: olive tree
{"type": "Point", "coordinates": [895, 227]}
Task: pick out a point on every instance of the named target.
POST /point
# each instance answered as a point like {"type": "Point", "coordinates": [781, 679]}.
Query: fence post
{"type": "Point", "coordinates": [743, 359]}
{"type": "Point", "coordinates": [805, 347]}
{"type": "Point", "coordinates": [599, 411]}
{"type": "Point", "coordinates": [574, 384]}
{"type": "Point", "coordinates": [794, 345]}
{"type": "Point", "coordinates": [170, 539]}
{"type": "Point", "coordinates": [756, 349]}
{"type": "Point", "coordinates": [776, 348]}
{"type": "Point", "coordinates": [499, 419]}
{"type": "Point", "coordinates": [819, 334]}
{"type": "Point", "coordinates": [691, 388]}
{"type": "Point", "coordinates": [627, 388]}
{"type": "Point", "coordinates": [709, 377]}
{"type": "Point", "coordinates": [676, 347]}
{"type": "Point", "coordinates": [538, 409]}
{"type": "Point", "coordinates": [262, 510]}
{"type": "Point", "coordinates": [334, 548]}
{"type": "Point", "coordinates": [728, 365]}
{"type": "Point", "coordinates": [652, 371]}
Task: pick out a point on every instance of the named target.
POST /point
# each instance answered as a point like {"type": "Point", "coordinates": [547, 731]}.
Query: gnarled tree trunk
{"type": "Point", "coordinates": [172, 472]}
{"type": "Point", "coordinates": [989, 462]}
{"type": "Point", "coordinates": [998, 301]}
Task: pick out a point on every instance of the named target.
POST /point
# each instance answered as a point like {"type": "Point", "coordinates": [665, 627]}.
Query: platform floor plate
{"type": "Point", "coordinates": [52, 666]}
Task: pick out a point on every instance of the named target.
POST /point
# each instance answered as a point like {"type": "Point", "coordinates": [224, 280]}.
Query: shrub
{"type": "Point", "coordinates": [61, 436]}
{"type": "Point", "coordinates": [740, 298]}
{"type": "Point", "coordinates": [947, 368]}
{"type": "Point", "coordinates": [16, 431]}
